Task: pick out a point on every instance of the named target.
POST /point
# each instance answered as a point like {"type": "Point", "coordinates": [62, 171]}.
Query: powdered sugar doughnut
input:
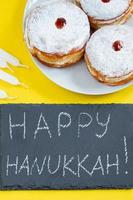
{"type": "Point", "coordinates": [56, 33]}
{"type": "Point", "coordinates": [33, 3]}
{"type": "Point", "coordinates": [109, 54]}
{"type": "Point", "coordinates": [106, 12]}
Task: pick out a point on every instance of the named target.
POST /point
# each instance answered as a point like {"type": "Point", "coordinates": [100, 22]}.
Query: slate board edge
{"type": "Point", "coordinates": [17, 187]}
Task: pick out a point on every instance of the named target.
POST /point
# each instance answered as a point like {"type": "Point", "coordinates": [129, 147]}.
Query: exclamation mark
{"type": "Point", "coordinates": [126, 152]}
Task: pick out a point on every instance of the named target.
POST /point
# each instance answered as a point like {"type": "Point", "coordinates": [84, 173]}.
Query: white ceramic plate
{"type": "Point", "coordinates": [77, 77]}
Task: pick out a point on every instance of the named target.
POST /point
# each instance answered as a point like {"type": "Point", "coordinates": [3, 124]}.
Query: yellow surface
{"type": "Point", "coordinates": [41, 90]}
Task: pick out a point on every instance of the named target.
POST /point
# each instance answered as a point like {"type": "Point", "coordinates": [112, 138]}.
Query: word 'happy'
{"type": "Point", "coordinates": [64, 121]}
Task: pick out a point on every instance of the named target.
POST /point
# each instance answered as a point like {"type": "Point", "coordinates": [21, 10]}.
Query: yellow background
{"type": "Point", "coordinates": [41, 90]}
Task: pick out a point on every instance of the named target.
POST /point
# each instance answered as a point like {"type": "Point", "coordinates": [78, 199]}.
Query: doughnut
{"type": "Point", "coordinates": [57, 33]}
{"type": "Point", "coordinates": [106, 12]}
{"type": "Point", "coordinates": [109, 54]}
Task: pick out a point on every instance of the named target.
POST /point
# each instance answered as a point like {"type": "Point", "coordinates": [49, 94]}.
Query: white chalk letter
{"type": "Point", "coordinates": [82, 117]}
{"type": "Point", "coordinates": [58, 165]}
{"type": "Point", "coordinates": [105, 125]}
{"type": "Point", "coordinates": [80, 165]}
{"type": "Point", "coordinates": [25, 165]}
{"type": "Point", "coordinates": [98, 166]}
{"type": "Point", "coordinates": [65, 125]}
{"type": "Point", "coordinates": [35, 164]}
{"type": "Point", "coordinates": [66, 165]}
{"type": "Point", "coordinates": [116, 164]}
{"type": "Point", "coordinates": [11, 165]}
{"type": "Point", "coordinates": [44, 127]}
{"type": "Point", "coordinates": [12, 126]}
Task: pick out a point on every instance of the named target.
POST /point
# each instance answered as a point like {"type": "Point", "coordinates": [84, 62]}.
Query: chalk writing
{"type": "Point", "coordinates": [60, 125]}
{"type": "Point", "coordinates": [81, 125]}
{"type": "Point", "coordinates": [65, 162]}
{"type": "Point", "coordinates": [115, 164]}
{"type": "Point", "coordinates": [36, 165]}
{"type": "Point", "coordinates": [44, 127]}
{"type": "Point", "coordinates": [12, 126]}
{"type": "Point", "coordinates": [103, 125]}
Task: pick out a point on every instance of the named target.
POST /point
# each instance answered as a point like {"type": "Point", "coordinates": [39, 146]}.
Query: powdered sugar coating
{"type": "Point", "coordinates": [104, 58]}
{"type": "Point", "coordinates": [105, 11]}
{"type": "Point", "coordinates": [42, 33]}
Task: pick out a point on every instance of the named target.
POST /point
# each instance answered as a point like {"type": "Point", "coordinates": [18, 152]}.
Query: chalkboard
{"type": "Point", "coordinates": [66, 146]}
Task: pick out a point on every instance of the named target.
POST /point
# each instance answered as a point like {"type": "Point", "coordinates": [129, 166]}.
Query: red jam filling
{"type": "Point", "coordinates": [117, 45]}
{"type": "Point", "coordinates": [60, 23]}
{"type": "Point", "coordinates": [105, 1]}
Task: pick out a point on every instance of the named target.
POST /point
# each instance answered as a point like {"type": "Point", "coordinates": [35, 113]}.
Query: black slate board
{"type": "Point", "coordinates": [66, 146]}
